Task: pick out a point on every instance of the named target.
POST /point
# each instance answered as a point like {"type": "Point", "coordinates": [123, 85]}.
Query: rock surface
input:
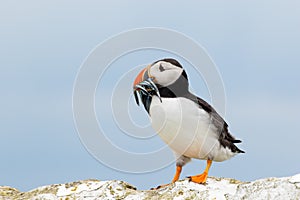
{"type": "Point", "coordinates": [216, 188]}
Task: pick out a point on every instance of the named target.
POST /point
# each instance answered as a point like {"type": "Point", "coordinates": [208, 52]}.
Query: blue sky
{"type": "Point", "coordinates": [254, 44]}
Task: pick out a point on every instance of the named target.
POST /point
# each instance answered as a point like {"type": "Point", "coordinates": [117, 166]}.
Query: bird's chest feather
{"type": "Point", "coordinates": [181, 124]}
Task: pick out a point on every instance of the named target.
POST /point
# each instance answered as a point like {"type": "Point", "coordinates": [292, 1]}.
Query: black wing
{"type": "Point", "coordinates": [225, 138]}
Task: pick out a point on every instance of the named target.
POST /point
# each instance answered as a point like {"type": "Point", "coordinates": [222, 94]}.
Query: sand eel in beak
{"type": "Point", "coordinates": [186, 123]}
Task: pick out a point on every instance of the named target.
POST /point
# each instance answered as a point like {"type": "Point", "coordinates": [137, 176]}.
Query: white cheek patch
{"type": "Point", "coordinates": [167, 76]}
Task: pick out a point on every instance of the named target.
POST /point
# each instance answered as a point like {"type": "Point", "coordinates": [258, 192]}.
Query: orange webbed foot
{"type": "Point", "coordinates": [201, 178]}
{"type": "Point", "coordinates": [176, 177]}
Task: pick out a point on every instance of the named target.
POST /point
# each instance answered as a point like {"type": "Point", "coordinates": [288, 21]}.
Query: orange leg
{"type": "Point", "coordinates": [177, 174]}
{"type": "Point", "coordinates": [176, 177]}
{"type": "Point", "coordinates": [201, 178]}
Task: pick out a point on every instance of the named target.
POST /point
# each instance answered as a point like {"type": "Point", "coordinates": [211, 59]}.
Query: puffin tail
{"type": "Point", "coordinates": [237, 149]}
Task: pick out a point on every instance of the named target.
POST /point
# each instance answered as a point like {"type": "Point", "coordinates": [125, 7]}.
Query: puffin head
{"type": "Point", "coordinates": [163, 78]}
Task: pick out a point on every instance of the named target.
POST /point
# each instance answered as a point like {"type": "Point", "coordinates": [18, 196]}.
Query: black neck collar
{"type": "Point", "coordinates": [178, 89]}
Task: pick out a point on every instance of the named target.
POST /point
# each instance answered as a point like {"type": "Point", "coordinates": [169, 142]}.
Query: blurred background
{"type": "Point", "coordinates": [254, 44]}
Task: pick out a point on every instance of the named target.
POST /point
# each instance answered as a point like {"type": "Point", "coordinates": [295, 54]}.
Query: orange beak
{"type": "Point", "coordinates": [140, 77]}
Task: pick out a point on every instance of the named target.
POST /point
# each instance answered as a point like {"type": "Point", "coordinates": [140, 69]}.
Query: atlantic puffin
{"type": "Point", "coordinates": [186, 123]}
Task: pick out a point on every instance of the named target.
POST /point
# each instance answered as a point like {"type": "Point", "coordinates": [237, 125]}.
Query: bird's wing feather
{"type": "Point", "coordinates": [225, 138]}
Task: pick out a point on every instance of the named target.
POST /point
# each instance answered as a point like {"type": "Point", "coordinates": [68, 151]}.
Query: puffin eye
{"type": "Point", "coordinates": [161, 68]}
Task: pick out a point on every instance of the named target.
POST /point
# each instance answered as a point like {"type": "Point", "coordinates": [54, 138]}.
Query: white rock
{"type": "Point", "coordinates": [216, 188]}
{"type": "Point", "coordinates": [296, 180]}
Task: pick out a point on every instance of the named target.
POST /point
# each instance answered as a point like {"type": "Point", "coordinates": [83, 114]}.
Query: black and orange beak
{"type": "Point", "coordinates": [143, 85]}
{"type": "Point", "coordinates": [141, 77]}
